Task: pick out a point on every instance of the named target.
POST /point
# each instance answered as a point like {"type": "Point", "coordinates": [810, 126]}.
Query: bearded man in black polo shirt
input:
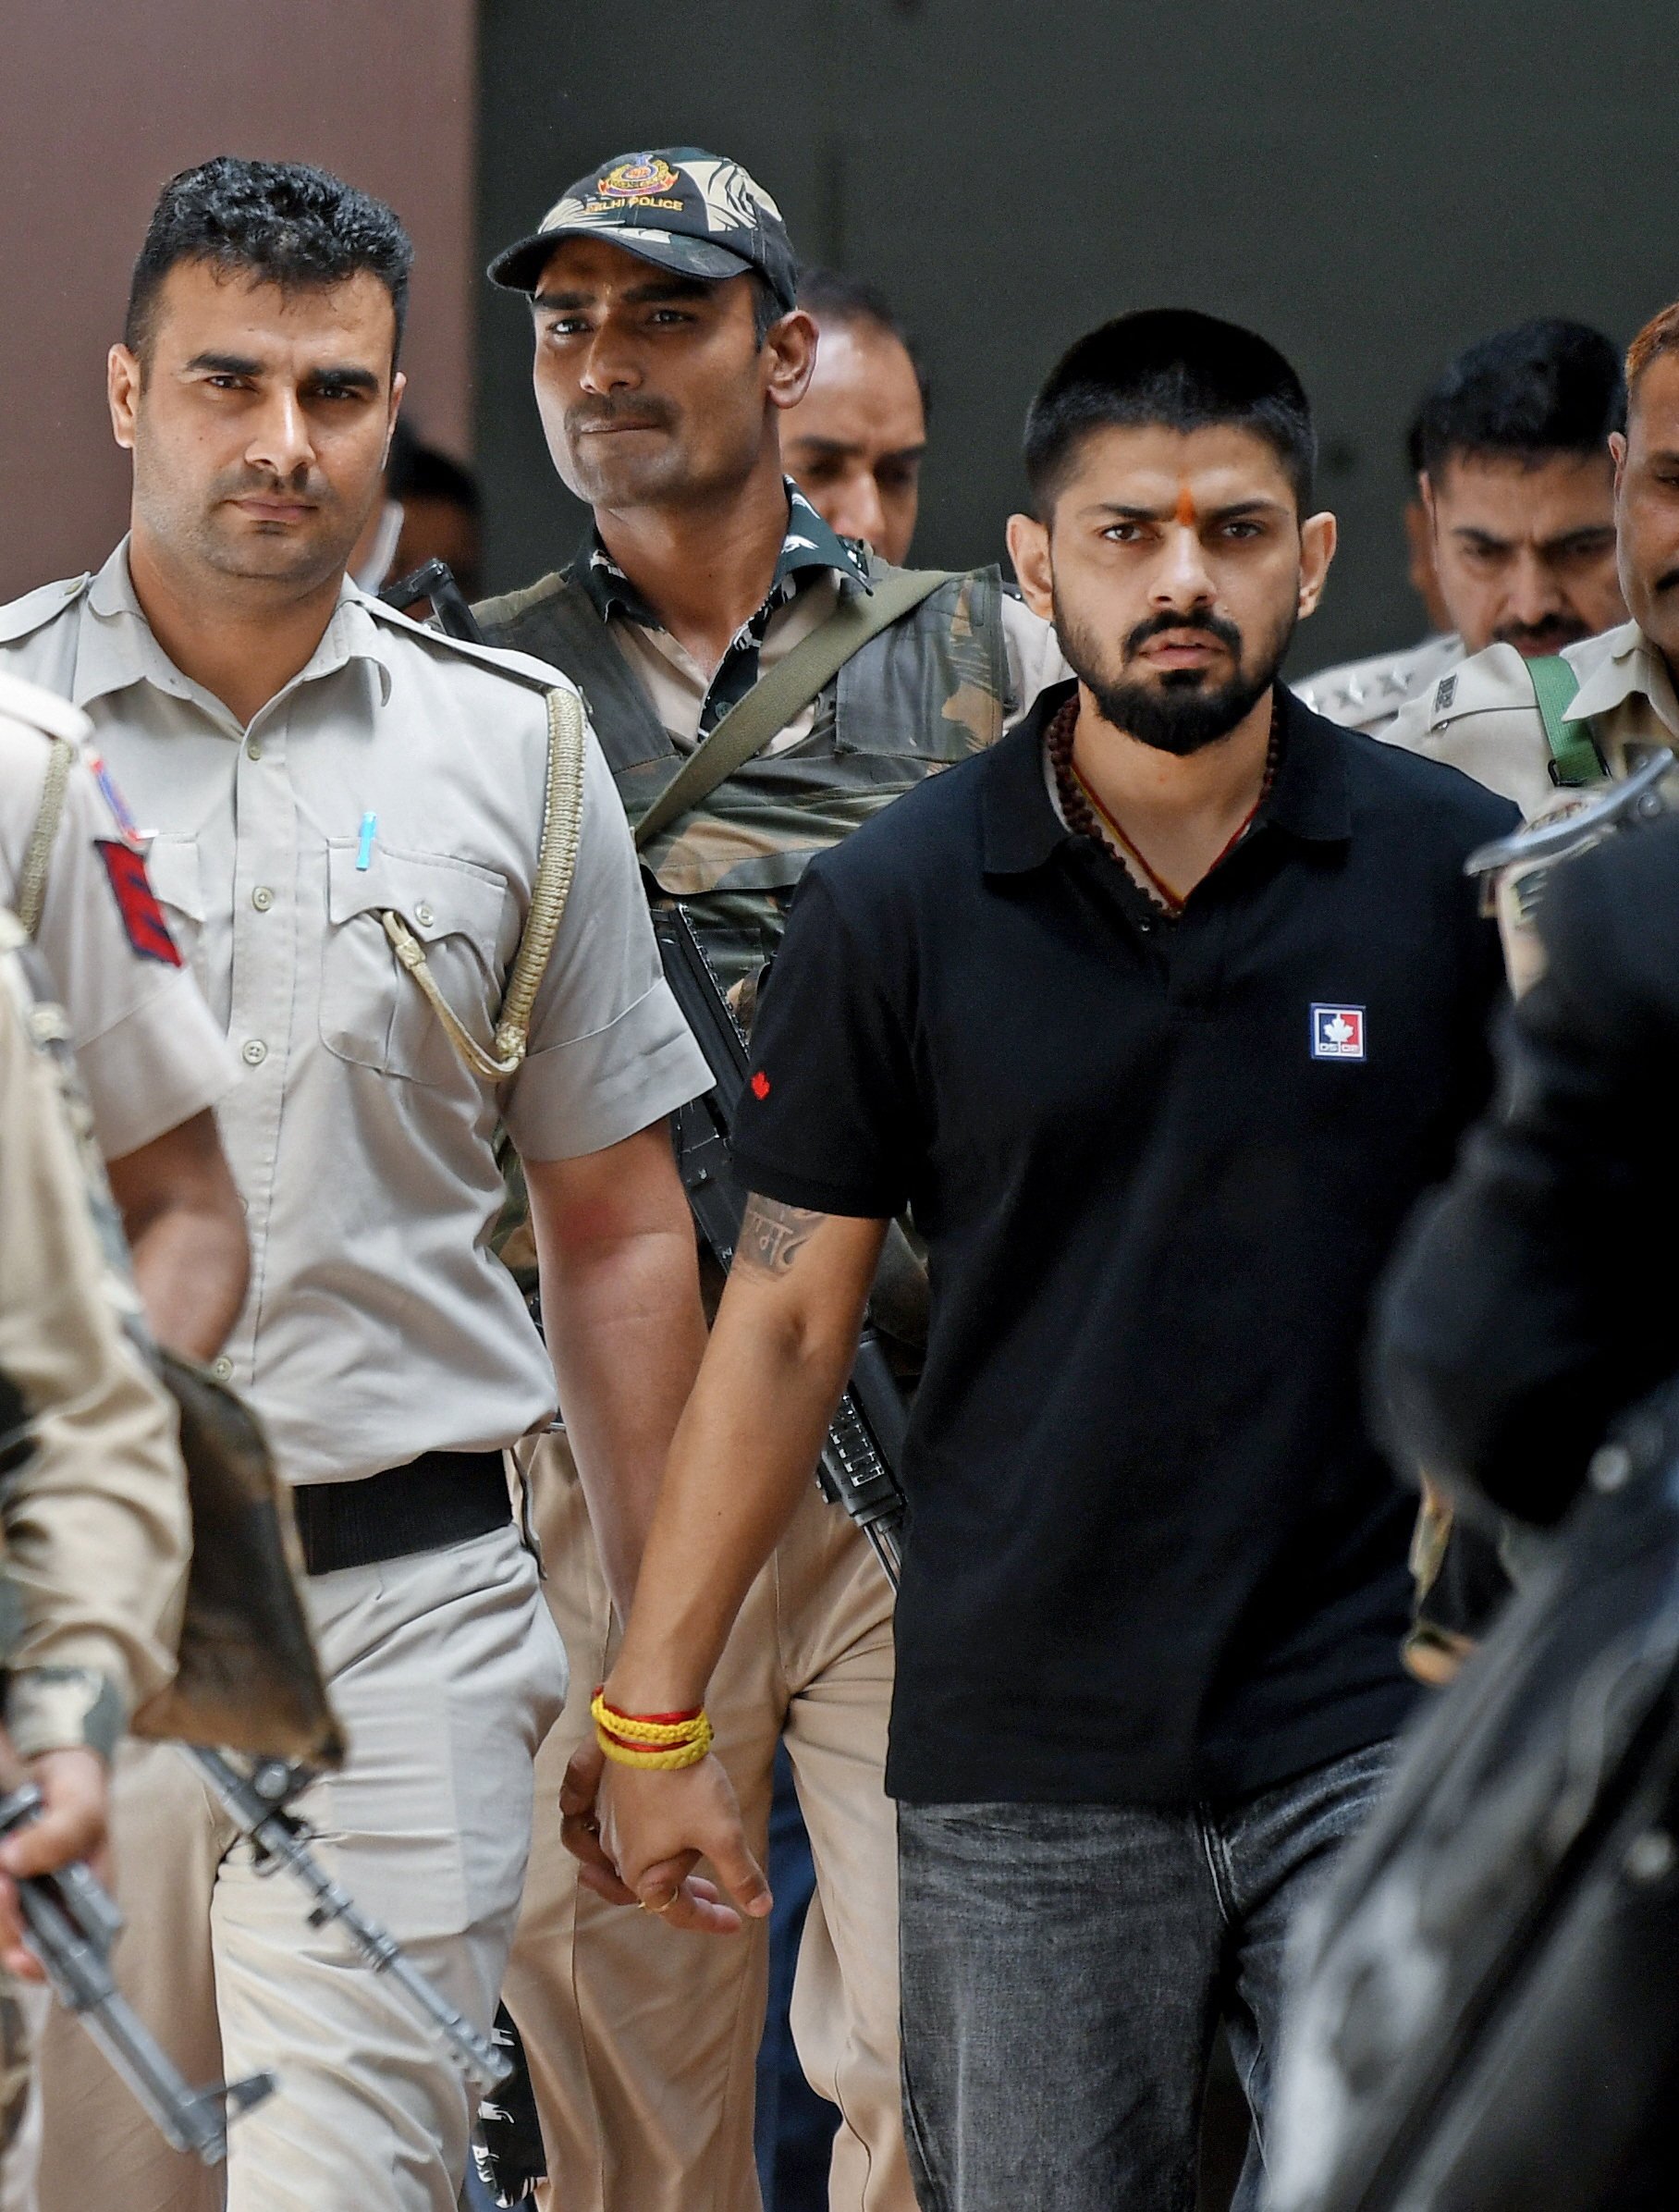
{"type": "Point", "coordinates": [1159, 1017]}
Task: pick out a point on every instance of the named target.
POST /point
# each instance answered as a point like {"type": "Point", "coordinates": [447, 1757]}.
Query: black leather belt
{"type": "Point", "coordinates": [439, 1499]}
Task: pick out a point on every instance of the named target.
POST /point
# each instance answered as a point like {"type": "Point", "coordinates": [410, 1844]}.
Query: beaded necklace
{"type": "Point", "coordinates": [1083, 810]}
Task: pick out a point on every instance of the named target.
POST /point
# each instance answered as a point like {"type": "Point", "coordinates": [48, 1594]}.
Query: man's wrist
{"type": "Point", "coordinates": [63, 1709]}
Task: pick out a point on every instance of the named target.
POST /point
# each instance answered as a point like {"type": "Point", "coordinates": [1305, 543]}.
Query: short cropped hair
{"type": "Point", "coordinates": [280, 222]}
{"type": "Point", "coordinates": [1548, 387]}
{"type": "Point", "coordinates": [1176, 369]}
{"type": "Point", "coordinates": [1658, 336]}
{"type": "Point", "coordinates": [832, 297]}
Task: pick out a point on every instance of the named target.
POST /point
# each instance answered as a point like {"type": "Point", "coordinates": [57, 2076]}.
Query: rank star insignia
{"type": "Point", "coordinates": [1337, 1033]}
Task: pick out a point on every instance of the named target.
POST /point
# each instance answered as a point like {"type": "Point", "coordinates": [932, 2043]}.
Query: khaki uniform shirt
{"type": "Point", "coordinates": [94, 1506]}
{"type": "Point", "coordinates": [1482, 718]}
{"type": "Point", "coordinates": [1367, 694]}
{"type": "Point", "coordinates": [679, 686]}
{"type": "Point", "coordinates": [149, 1052]}
{"type": "Point", "coordinates": [397, 771]}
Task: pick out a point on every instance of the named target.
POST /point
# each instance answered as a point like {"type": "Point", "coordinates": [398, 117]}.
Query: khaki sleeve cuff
{"type": "Point", "coordinates": [64, 1708]}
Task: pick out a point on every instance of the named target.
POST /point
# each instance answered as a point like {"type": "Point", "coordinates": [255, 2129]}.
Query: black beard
{"type": "Point", "coordinates": [1178, 714]}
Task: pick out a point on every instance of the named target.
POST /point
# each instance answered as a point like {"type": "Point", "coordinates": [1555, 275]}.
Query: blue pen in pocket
{"type": "Point", "coordinates": [364, 844]}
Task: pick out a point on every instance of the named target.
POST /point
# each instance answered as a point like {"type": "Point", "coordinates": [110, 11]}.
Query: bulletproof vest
{"type": "Point", "coordinates": [927, 692]}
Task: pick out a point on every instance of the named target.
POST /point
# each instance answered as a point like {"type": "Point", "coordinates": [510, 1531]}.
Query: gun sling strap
{"type": "Point", "coordinates": [1575, 754]}
{"type": "Point", "coordinates": [785, 691]}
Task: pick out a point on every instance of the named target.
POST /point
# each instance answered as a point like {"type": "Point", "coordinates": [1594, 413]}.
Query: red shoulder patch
{"type": "Point", "coordinates": [760, 1085]}
{"type": "Point", "coordinates": [143, 917]}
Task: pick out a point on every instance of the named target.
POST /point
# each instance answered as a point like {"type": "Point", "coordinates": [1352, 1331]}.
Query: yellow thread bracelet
{"type": "Point", "coordinates": [652, 1761]}
{"type": "Point", "coordinates": [653, 1745]}
{"type": "Point", "coordinates": [659, 1735]}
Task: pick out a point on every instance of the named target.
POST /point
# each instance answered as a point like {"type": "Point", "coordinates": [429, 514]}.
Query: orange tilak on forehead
{"type": "Point", "coordinates": [1184, 514]}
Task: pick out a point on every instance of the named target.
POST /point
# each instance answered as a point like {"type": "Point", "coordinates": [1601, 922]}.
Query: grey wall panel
{"type": "Point", "coordinates": [1371, 186]}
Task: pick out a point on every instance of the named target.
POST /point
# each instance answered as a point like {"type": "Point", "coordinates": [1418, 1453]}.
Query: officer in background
{"type": "Point", "coordinates": [350, 816]}
{"type": "Point", "coordinates": [155, 1063]}
{"type": "Point", "coordinates": [1515, 481]}
{"type": "Point", "coordinates": [669, 347]}
{"type": "Point", "coordinates": [1525, 728]}
{"type": "Point", "coordinates": [93, 1528]}
{"type": "Point", "coordinates": [856, 442]}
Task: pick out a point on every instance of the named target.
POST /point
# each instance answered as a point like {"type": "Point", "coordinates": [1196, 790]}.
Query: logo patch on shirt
{"type": "Point", "coordinates": [760, 1085]}
{"type": "Point", "coordinates": [1445, 692]}
{"type": "Point", "coordinates": [143, 917]}
{"type": "Point", "coordinates": [1337, 1033]}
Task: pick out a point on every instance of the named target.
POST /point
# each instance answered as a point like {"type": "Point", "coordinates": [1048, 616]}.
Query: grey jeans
{"type": "Point", "coordinates": [1063, 1970]}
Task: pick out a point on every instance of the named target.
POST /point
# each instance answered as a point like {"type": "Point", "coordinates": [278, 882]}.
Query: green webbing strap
{"type": "Point", "coordinates": [787, 690]}
{"type": "Point", "coordinates": [1574, 756]}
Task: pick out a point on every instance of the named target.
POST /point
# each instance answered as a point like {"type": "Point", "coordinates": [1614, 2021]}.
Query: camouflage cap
{"type": "Point", "coordinates": [679, 207]}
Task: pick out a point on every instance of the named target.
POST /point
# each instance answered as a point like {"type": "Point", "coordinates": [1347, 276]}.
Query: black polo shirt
{"type": "Point", "coordinates": [1153, 1555]}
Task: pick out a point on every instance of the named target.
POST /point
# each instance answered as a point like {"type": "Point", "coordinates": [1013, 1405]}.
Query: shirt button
{"type": "Point", "coordinates": [262, 898]}
{"type": "Point", "coordinates": [221, 1368]}
{"type": "Point", "coordinates": [254, 750]}
{"type": "Point", "coordinates": [424, 915]}
{"type": "Point", "coordinates": [254, 1051]}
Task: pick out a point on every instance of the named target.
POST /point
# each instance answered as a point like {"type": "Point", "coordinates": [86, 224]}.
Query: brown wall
{"type": "Point", "coordinates": [100, 101]}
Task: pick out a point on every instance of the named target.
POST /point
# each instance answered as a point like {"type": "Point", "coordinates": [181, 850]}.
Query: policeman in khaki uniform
{"type": "Point", "coordinates": [1534, 730]}
{"type": "Point", "coordinates": [1511, 459]}
{"type": "Point", "coordinates": [93, 1528]}
{"type": "Point", "coordinates": [668, 344]}
{"type": "Point", "coordinates": [403, 879]}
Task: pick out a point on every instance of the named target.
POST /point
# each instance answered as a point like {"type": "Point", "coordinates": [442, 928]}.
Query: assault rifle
{"type": "Point", "coordinates": [256, 1799]}
{"type": "Point", "coordinates": [865, 1443]}
{"type": "Point", "coordinates": [71, 1922]}
{"type": "Point", "coordinates": [864, 1446]}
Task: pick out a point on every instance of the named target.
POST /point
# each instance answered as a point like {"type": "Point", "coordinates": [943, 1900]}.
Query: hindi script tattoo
{"type": "Point", "coordinates": [772, 1235]}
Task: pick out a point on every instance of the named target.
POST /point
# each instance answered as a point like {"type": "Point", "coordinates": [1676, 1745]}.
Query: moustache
{"type": "Point", "coordinates": [243, 482]}
{"type": "Point", "coordinates": [1198, 625]}
{"type": "Point", "coordinates": [647, 413]}
{"type": "Point", "coordinates": [1545, 636]}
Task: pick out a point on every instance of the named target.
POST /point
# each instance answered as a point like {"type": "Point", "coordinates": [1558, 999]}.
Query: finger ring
{"type": "Point", "coordinates": [661, 1909]}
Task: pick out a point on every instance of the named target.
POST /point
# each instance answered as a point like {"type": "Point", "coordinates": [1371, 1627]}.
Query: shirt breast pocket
{"type": "Point", "coordinates": [173, 872]}
{"type": "Point", "coordinates": [373, 1013]}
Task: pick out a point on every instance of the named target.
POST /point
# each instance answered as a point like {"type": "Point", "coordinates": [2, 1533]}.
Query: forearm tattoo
{"type": "Point", "coordinates": [772, 1235]}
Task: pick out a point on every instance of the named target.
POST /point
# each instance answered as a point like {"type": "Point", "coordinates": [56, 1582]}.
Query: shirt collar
{"type": "Point", "coordinates": [809, 544]}
{"type": "Point", "coordinates": [1631, 667]}
{"type": "Point", "coordinates": [1021, 829]}
{"type": "Point", "coordinates": [116, 647]}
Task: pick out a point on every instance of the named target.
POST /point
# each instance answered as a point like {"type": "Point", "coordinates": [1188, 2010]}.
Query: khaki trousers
{"type": "Point", "coordinates": [447, 1672]}
{"type": "Point", "coordinates": [643, 2040]}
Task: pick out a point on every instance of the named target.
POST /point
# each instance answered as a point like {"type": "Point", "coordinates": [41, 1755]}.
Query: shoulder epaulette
{"type": "Point", "coordinates": [23, 617]}
{"type": "Point", "coordinates": [502, 660]}
{"type": "Point", "coordinates": [1493, 681]}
